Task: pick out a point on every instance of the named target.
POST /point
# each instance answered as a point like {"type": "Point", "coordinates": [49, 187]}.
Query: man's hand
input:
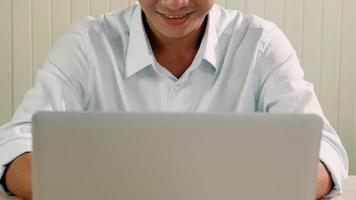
{"type": "Point", "coordinates": [18, 176]}
{"type": "Point", "coordinates": [324, 181]}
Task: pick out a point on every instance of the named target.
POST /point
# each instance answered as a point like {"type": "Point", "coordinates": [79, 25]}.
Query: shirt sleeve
{"type": "Point", "coordinates": [284, 90]}
{"type": "Point", "coordinates": [61, 85]}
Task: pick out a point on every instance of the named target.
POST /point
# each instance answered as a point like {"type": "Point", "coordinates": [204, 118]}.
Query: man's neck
{"type": "Point", "coordinates": [175, 46]}
{"type": "Point", "coordinates": [175, 54]}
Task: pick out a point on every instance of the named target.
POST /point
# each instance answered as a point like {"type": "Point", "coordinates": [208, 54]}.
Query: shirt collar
{"type": "Point", "coordinates": [209, 50]}
{"type": "Point", "coordinates": [140, 55]}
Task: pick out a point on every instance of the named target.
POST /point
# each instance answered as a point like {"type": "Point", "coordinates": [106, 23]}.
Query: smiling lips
{"type": "Point", "coordinates": [175, 20]}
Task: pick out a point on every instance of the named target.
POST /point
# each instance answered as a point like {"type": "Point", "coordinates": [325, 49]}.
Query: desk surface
{"type": "Point", "coordinates": [349, 192]}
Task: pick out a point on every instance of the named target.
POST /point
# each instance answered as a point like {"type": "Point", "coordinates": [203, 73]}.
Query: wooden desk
{"type": "Point", "coordinates": [349, 192]}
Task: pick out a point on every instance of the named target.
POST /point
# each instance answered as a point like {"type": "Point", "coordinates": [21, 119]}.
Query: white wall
{"type": "Point", "coordinates": [322, 31]}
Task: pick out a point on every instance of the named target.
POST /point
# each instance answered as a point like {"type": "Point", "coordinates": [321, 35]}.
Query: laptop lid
{"type": "Point", "coordinates": [186, 156]}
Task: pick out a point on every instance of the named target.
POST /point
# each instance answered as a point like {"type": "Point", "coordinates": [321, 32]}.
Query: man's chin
{"type": "Point", "coordinates": [174, 34]}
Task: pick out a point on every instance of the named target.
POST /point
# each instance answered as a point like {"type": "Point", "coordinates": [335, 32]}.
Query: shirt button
{"type": "Point", "coordinates": [176, 88]}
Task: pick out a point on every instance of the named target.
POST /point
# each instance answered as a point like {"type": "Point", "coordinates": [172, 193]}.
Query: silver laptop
{"type": "Point", "coordinates": [166, 156]}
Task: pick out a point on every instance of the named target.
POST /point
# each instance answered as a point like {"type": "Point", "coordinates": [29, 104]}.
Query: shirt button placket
{"type": "Point", "coordinates": [171, 97]}
{"type": "Point", "coordinates": [176, 88]}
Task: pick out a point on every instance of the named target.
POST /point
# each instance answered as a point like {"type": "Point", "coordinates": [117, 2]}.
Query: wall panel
{"type": "Point", "coordinates": [5, 61]}
{"type": "Point", "coordinates": [274, 11]}
{"type": "Point", "coordinates": [330, 59]}
{"type": "Point", "coordinates": [79, 9]}
{"type": "Point", "coordinates": [311, 41]}
{"type": "Point", "coordinates": [98, 7]}
{"type": "Point", "coordinates": [60, 18]}
{"type": "Point", "coordinates": [293, 23]}
{"type": "Point", "coordinates": [116, 5]}
{"type": "Point", "coordinates": [256, 7]}
{"type": "Point", "coordinates": [41, 33]}
{"type": "Point", "coordinates": [22, 49]}
{"type": "Point", "coordinates": [347, 80]}
{"type": "Point", "coordinates": [221, 2]}
{"type": "Point", "coordinates": [236, 4]}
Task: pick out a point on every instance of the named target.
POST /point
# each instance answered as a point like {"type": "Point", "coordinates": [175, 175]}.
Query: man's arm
{"type": "Point", "coordinates": [18, 176]}
{"type": "Point", "coordinates": [284, 90]}
{"type": "Point", "coordinates": [324, 181]}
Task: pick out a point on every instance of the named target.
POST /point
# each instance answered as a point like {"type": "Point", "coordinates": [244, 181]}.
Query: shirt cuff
{"type": "Point", "coordinates": [337, 166]}
{"type": "Point", "coordinates": [11, 150]}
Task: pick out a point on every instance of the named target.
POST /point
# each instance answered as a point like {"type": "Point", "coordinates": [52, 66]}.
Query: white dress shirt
{"type": "Point", "coordinates": [244, 64]}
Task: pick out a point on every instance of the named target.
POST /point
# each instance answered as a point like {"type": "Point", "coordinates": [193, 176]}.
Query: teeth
{"type": "Point", "coordinates": [174, 17]}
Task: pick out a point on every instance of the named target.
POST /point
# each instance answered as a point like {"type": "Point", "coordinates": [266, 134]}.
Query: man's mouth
{"type": "Point", "coordinates": [175, 19]}
{"type": "Point", "coordinates": [175, 16]}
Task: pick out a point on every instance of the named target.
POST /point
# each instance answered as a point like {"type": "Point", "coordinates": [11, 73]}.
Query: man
{"type": "Point", "coordinates": [176, 55]}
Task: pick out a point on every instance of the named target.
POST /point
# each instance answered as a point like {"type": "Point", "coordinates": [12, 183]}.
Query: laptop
{"type": "Point", "coordinates": [174, 156]}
